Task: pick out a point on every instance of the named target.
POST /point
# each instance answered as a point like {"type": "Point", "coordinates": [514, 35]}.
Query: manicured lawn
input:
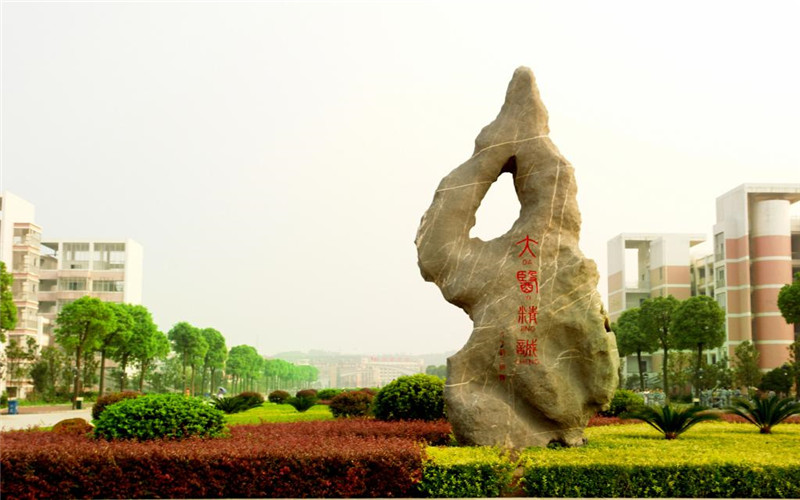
{"type": "Point", "coordinates": [275, 413]}
{"type": "Point", "coordinates": [705, 443]}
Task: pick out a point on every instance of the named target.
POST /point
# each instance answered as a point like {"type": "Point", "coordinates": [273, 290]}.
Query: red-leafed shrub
{"type": "Point", "coordinates": [109, 399]}
{"type": "Point", "coordinates": [351, 404]}
{"type": "Point", "coordinates": [278, 397]}
{"type": "Point", "coordinates": [351, 459]}
{"type": "Point", "coordinates": [736, 419]}
{"type": "Point", "coordinates": [307, 393]}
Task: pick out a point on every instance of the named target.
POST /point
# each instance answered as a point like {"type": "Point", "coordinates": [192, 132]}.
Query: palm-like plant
{"type": "Point", "coordinates": [672, 421]}
{"type": "Point", "coordinates": [764, 413]}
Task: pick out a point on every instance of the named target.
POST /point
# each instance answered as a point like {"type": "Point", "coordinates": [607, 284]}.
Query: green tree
{"type": "Point", "coordinates": [190, 346]}
{"type": "Point", "coordinates": [19, 358]}
{"type": "Point", "coordinates": [789, 301]}
{"type": "Point", "coordinates": [115, 338]}
{"type": "Point", "coordinates": [80, 324]}
{"type": "Point", "coordinates": [778, 380]}
{"type": "Point", "coordinates": [746, 372]}
{"type": "Point", "coordinates": [698, 323]}
{"type": "Point", "coordinates": [794, 363]}
{"type": "Point", "coordinates": [631, 339]}
{"type": "Point", "coordinates": [59, 374]}
{"type": "Point", "coordinates": [243, 364]}
{"type": "Point", "coordinates": [146, 345]}
{"type": "Point", "coordinates": [789, 305]}
{"type": "Point", "coordinates": [680, 371]}
{"type": "Point", "coordinates": [655, 319]}
{"type": "Point", "coordinates": [215, 356]}
{"type": "Point", "coordinates": [439, 371]}
{"type": "Point", "coordinates": [8, 311]}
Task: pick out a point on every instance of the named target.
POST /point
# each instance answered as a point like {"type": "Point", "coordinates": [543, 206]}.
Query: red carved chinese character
{"type": "Point", "coordinates": [528, 280]}
{"type": "Point", "coordinates": [528, 315]}
{"type": "Point", "coordinates": [526, 348]}
{"type": "Point", "coordinates": [527, 240]}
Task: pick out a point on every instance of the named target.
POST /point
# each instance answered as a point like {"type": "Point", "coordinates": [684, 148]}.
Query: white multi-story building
{"type": "Point", "coordinates": [19, 250]}
{"type": "Point", "coordinates": [110, 270]}
{"type": "Point", "coordinates": [48, 275]}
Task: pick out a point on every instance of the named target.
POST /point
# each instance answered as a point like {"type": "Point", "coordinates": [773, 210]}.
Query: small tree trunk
{"type": "Point", "coordinates": [78, 375]}
{"type": "Point", "coordinates": [664, 380]}
{"type": "Point", "coordinates": [699, 367]}
{"type": "Point", "coordinates": [192, 392]}
{"type": "Point", "coordinates": [123, 379]}
{"type": "Point", "coordinates": [102, 372]}
{"type": "Point", "coordinates": [641, 373]}
{"type": "Point", "coordinates": [141, 376]}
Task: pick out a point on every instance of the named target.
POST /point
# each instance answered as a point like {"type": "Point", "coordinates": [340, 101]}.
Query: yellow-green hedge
{"type": "Point", "coordinates": [714, 459]}
{"type": "Point", "coordinates": [465, 472]}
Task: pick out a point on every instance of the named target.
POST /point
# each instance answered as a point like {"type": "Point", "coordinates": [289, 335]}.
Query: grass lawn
{"type": "Point", "coordinates": [704, 444]}
{"type": "Point", "coordinates": [275, 413]}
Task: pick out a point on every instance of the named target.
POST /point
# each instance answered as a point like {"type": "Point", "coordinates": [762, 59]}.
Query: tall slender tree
{"type": "Point", "coordinates": [188, 343]}
{"type": "Point", "coordinates": [746, 372]}
{"type": "Point", "coordinates": [8, 311]}
{"type": "Point", "coordinates": [79, 326]}
{"type": "Point", "coordinates": [631, 339]}
{"type": "Point", "coordinates": [215, 356]}
{"type": "Point", "coordinates": [116, 337]}
{"type": "Point", "coordinates": [698, 323]}
{"type": "Point", "coordinates": [655, 318]}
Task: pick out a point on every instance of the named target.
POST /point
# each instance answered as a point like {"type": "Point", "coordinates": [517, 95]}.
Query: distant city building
{"type": "Point", "coordinates": [756, 250]}
{"type": "Point", "coordinates": [50, 274]}
{"type": "Point", "coordinates": [351, 371]}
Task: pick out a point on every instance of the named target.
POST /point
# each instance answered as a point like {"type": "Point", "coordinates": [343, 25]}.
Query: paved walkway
{"type": "Point", "coordinates": [44, 419]}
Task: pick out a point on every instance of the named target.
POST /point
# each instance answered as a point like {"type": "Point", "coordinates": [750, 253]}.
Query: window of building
{"type": "Point", "coordinates": [719, 247]}
{"type": "Point", "coordinates": [72, 284]}
{"type": "Point", "coordinates": [108, 286]}
{"type": "Point", "coordinates": [720, 277]}
{"type": "Point", "coordinates": [722, 300]}
{"type": "Point", "coordinates": [109, 256]}
{"type": "Point", "coordinates": [76, 255]}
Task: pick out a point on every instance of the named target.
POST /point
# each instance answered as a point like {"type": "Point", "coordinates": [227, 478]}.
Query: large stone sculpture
{"type": "Point", "coordinates": [541, 359]}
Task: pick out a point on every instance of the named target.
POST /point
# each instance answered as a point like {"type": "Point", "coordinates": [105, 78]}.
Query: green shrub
{"type": "Point", "coordinates": [623, 401]}
{"type": "Point", "coordinates": [351, 404]}
{"type": "Point", "coordinates": [670, 420]}
{"type": "Point", "coordinates": [328, 394]}
{"type": "Point", "coordinates": [302, 403]}
{"type": "Point", "coordinates": [465, 473]}
{"type": "Point", "coordinates": [109, 399]}
{"type": "Point", "coordinates": [278, 397]}
{"type": "Point", "coordinates": [229, 405]}
{"type": "Point", "coordinates": [170, 416]}
{"type": "Point", "coordinates": [251, 399]}
{"type": "Point", "coordinates": [415, 397]}
{"type": "Point", "coordinates": [4, 399]}
{"type": "Point", "coordinates": [764, 413]}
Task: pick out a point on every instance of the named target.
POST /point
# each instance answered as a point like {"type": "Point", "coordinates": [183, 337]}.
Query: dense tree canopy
{"type": "Point", "coordinates": [189, 344]}
{"type": "Point", "coordinates": [789, 301]}
{"type": "Point", "coordinates": [746, 372]}
{"type": "Point", "coordinates": [698, 323]}
{"type": "Point", "coordinates": [8, 311]}
{"type": "Point", "coordinates": [655, 319]}
{"type": "Point", "coordinates": [80, 325]}
{"type": "Point", "coordinates": [631, 339]}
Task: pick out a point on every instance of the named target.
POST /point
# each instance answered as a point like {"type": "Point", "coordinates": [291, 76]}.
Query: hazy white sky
{"type": "Point", "coordinates": [274, 158]}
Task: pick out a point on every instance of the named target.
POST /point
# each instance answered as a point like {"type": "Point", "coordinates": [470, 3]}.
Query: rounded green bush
{"type": "Point", "coordinates": [328, 394]}
{"type": "Point", "coordinates": [278, 397]}
{"type": "Point", "coordinates": [351, 404]}
{"type": "Point", "coordinates": [623, 401]}
{"type": "Point", "coordinates": [415, 397]}
{"type": "Point", "coordinates": [109, 399]}
{"type": "Point", "coordinates": [161, 416]}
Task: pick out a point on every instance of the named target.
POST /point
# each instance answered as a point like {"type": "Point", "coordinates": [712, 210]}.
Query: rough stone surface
{"type": "Point", "coordinates": [541, 359]}
{"type": "Point", "coordinates": [76, 426]}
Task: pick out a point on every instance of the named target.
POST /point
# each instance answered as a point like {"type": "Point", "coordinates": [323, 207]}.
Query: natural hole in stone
{"type": "Point", "coordinates": [499, 208]}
